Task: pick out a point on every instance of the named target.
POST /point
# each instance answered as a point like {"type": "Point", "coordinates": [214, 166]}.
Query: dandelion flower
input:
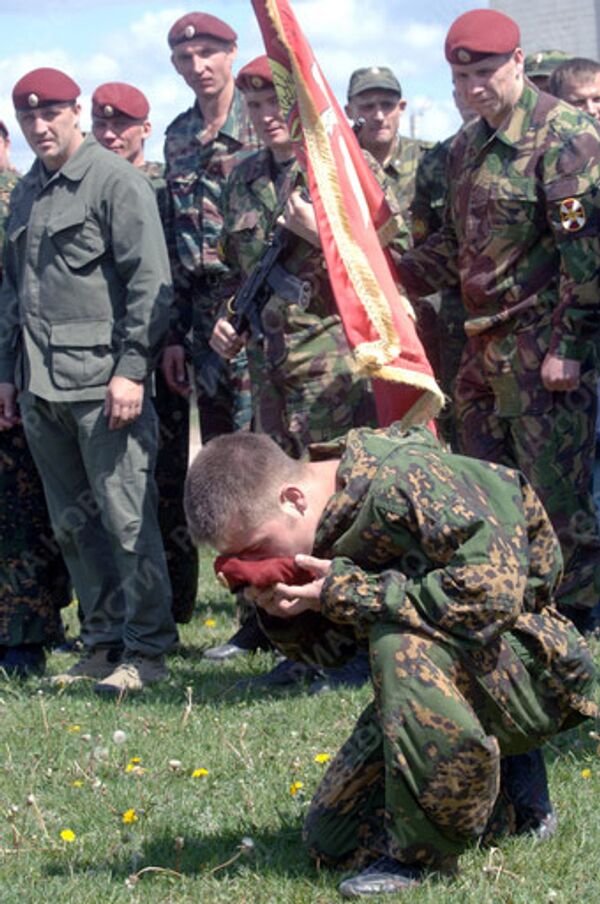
{"type": "Point", "coordinates": [68, 835]}
{"type": "Point", "coordinates": [129, 816]}
{"type": "Point", "coordinates": [77, 783]}
{"type": "Point", "coordinates": [199, 773]}
{"type": "Point", "coordinates": [119, 737]}
{"type": "Point", "coordinates": [586, 773]}
{"type": "Point", "coordinates": [210, 623]}
{"type": "Point", "coordinates": [322, 758]}
{"type": "Point", "coordinates": [295, 787]}
{"type": "Point", "coordinates": [135, 760]}
{"type": "Point", "coordinates": [73, 728]}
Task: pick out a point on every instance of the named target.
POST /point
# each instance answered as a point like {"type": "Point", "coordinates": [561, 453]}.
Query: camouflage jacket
{"type": "Point", "coordinates": [156, 173]}
{"type": "Point", "coordinates": [8, 180]}
{"type": "Point", "coordinates": [521, 230]}
{"type": "Point", "coordinates": [401, 170]}
{"type": "Point", "coordinates": [430, 191]}
{"type": "Point", "coordinates": [451, 547]}
{"type": "Point", "coordinates": [195, 173]}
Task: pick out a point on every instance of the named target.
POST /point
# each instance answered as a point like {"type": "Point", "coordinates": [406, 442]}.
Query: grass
{"type": "Point", "coordinates": [63, 768]}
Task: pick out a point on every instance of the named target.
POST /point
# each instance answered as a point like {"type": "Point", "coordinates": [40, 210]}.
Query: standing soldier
{"type": "Point", "coordinates": [303, 384]}
{"type": "Point", "coordinates": [540, 65]}
{"type": "Point", "coordinates": [521, 238]}
{"type": "Point", "coordinates": [120, 124]}
{"type": "Point", "coordinates": [202, 145]}
{"type": "Point", "coordinates": [375, 104]}
{"type": "Point", "coordinates": [34, 583]}
{"type": "Point", "coordinates": [83, 312]}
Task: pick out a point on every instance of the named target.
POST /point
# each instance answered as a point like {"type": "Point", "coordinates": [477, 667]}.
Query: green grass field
{"type": "Point", "coordinates": [191, 800]}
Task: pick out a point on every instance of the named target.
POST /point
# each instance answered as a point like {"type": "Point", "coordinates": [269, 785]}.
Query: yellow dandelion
{"type": "Point", "coordinates": [295, 787]}
{"type": "Point", "coordinates": [586, 773]}
{"type": "Point", "coordinates": [135, 760]}
{"type": "Point", "coordinates": [322, 758]}
{"type": "Point", "coordinates": [134, 768]}
{"type": "Point", "coordinates": [199, 773]}
{"type": "Point", "coordinates": [73, 728]}
{"type": "Point", "coordinates": [129, 816]}
{"type": "Point", "coordinates": [77, 783]}
{"type": "Point", "coordinates": [68, 835]}
{"type": "Point", "coordinates": [210, 623]}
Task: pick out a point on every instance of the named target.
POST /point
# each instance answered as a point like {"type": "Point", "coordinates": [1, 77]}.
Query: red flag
{"type": "Point", "coordinates": [351, 213]}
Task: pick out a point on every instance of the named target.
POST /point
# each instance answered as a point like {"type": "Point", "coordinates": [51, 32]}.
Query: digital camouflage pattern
{"type": "Point", "coordinates": [522, 238]}
{"type": "Point", "coordinates": [196, 170]}
{"type": "Point", "coordinates": [304, 388]}
{"type": "Point", "coordinates": [34, 583]}
{"type": "Point", "coordinates": [445, 566]}
{"type": "Point", "coordinates": [448, 336]}
{"type": "Point", "coordinates": [171, 466]}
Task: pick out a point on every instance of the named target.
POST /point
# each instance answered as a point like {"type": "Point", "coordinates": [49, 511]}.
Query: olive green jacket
{"type": "Point", "coordinates": [87, 288]}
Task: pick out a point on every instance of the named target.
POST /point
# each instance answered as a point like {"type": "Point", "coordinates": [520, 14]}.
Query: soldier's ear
{"type": "Point", "coordinates": [292, 499]}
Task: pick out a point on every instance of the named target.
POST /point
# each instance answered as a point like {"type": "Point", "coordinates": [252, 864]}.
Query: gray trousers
{"type": "Point", "coordinates": [102, 500]}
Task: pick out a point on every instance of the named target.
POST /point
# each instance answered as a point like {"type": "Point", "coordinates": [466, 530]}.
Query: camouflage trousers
{"type": "Point", "coordinates": [506, 415]}
{"type": "Point", "coordinates": [34, 582]}
{"type": "Point", "coordinates": [171, 467]}
{"type": "Point", "coordinates": [419, 777]}
{"type": "Point", "coordinates": [310, 394]}
{"type": "Point", "coordinates": [223, 394]}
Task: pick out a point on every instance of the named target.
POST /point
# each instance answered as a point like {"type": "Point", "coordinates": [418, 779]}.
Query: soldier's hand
{"type": "Point", "coordinates": [289, 600]}
{"type": "Point", "coordinates": [8, 406]}
{"type": "Point", "coordinates": [560, 374]}
{"type": "Point", "coordinates": [224, 340]}
{"type": "Point", "coordinates": [175, 371]}
{"type": "Point", "coordinates": [299, 217]}
{"type": "Point", "coordinates": [123, 402]}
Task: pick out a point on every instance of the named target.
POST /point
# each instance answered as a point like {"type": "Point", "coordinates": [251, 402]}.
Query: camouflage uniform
{"type": "Point", "coordinates": [34, 583]}
{"type": "Point", "coordinates": [522, 238]}
{"type": "Point", "coordinates": [303, 386]}
{"type": "Point", "coordinates": [427, 209]}
{"type": "Point", "coordinates": [401, 169]}
{"type": "Point", "coordinates": [445, 566]}
{"type": "Point", "coordinates": [195, 173]}
{"type": "Point", "coordinates": [171, 466]}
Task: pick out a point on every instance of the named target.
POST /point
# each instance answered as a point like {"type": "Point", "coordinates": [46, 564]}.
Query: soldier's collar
{"type": "Point", "coordinates": [517, 123]}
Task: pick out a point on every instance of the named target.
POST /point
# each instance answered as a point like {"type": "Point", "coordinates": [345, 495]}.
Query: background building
{"type": "Point", "coordinates": [569, 25]}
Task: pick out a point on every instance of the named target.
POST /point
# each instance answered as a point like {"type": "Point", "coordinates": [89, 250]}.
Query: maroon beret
{"type": "Point", "coordinates": [255, 75]}
{"type": "Point", "coordinates": [260, 573]}
{"type": "Point", "coordinates": [481, 33]}
{"type": "Point", "coordinates": [196, 25]}
{"type": "Point", "coordinates": [119, 99]}
{"type": "Point", "coordinates": [43, 87]}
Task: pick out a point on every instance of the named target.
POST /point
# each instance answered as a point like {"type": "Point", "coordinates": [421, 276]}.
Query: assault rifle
{"type": "Point", "coordinates": [266, 278]}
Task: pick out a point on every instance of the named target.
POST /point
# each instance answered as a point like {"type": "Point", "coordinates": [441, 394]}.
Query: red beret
{"type": "Point", "coordinates": [196, 25]}
{"type": "Point", "coordinates": [260, 573]}
{"type": "Point", "coordinates": [119, 99]}
{"type": "Point", "coordinates": [481, 33]}
{"type": "Point", "coordinates": [43, 87]}
{"type": "Point", "coordinates": [255, 75]}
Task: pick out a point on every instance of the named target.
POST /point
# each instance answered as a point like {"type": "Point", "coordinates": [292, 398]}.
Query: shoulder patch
{"type": "Point", "coordinates": [572, 214]}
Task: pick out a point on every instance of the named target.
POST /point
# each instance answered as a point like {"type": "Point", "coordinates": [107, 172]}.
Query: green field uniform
{"type": "Point", "coordinates": [401, 169]}
{"type": "Point", "coordinates": [33, 578]}
{"type": "Point", "coordinates": [427, 208]}
{"type": "Point", "coordinates": [85, 297]}
{"type": "Point", "coordinates": [195, 174]}
{"type": "Point", "coordinates": [445, 567]}
{"type": "Point", "coordinates": [522, 240]}
{"type": "Point", "coordinates": [171, 466]}
{"type": "Point", "coordinates": [304, 386]}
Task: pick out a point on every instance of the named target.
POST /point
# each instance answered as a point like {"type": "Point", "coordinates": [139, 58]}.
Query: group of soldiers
{"type": "Point", "coordinates": [432, 569]}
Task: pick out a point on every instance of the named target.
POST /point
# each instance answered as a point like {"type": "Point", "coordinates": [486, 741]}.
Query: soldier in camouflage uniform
{"type": "Point", "coordinates": [444, 567]}
{"type": "Point", "coordinates": [201, 147]}
{"type": "Point", "coordinates": [427, 210]}
{"type": "Point", "coordinates": [303, 386]}
{"type": "Point", "coordinates": [539, 67]}
{"type": "Point", "coordinates": [521, 240]}
{"type": "Point", "coordinates": [34, 582]}
{"type": "Point", "coordinates": [120, 124]}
